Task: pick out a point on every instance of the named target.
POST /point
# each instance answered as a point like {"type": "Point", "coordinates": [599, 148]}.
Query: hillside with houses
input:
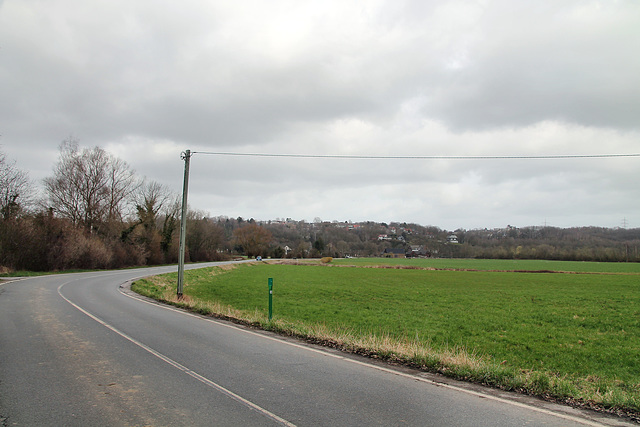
{"type": "Point", "coordinates": [291, 238]}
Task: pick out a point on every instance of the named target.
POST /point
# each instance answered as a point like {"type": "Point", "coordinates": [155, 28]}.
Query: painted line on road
{"type": "Point", "coordinates": [368, 365]}
{"type": "Point", "coordinates": [179, 366]}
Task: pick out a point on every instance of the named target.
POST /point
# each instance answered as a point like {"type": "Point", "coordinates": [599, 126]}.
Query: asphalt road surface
{"type": "Point", "coordinates": [80, 350]}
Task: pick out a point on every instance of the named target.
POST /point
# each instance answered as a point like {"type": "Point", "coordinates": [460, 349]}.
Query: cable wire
{"type": "Point", "coordinates": [361, 157]}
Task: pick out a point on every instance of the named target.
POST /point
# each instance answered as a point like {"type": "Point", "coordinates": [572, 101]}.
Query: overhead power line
{"type": "Point", "coordinates": [361, 157]}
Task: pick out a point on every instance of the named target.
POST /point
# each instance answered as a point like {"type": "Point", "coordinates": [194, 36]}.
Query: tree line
{"type": "Point", "coordinates": [95, 212]}
{"type": "Point", "coordinates": [414, 240]}
{"type": "Point", "coordinates": [551, 243]}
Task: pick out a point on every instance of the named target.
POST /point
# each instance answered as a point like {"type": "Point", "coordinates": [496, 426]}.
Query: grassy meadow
{"type": "Point", "coordinates": [575, 337]}
{"type": "Point", "coordinates": [496, 264]}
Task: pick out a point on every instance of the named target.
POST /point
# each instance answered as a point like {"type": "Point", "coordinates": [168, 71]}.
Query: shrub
{"type": "Point", "coordinates": [326, 260]}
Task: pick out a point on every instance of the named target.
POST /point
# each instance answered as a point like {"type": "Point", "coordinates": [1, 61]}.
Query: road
{"type": "Point", "coordinates": [79, 350]}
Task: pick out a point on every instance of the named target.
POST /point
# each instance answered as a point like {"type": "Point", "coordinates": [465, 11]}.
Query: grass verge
{"type": "Point", "coordinates": [26, 273]}
{"type": "Point", "coordinates": [569, 337]}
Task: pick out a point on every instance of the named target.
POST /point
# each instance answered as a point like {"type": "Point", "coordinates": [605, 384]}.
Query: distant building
{"type": "Point", "coordinates": [394, 253]}
{"type": "Point", "coordinates": [418, 251]}
{"type": "Point", "coordinates": [452, 238]}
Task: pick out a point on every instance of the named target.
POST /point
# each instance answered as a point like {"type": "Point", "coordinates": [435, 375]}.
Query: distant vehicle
{"type": "Point", "coordinates": [259, 258]}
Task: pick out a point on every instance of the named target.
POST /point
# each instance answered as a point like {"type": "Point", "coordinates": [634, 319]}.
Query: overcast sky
{"type": "Point", "coordinates": [148, 79]}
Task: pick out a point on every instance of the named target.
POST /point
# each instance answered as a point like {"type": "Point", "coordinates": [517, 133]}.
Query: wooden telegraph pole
{"type": "Point", "coordinates": [186, 156]}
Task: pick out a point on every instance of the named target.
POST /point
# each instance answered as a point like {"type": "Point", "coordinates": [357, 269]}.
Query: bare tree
{"type": "Point", "coordinates": [153, 201]}
{"type": "Point", "coordinates": [15, 189]}
{"type": "Point", "coordinates": [89, 186]}
{"type": "Point", "coordinates": [158, 203]}
{"type": "Point", "coordinates": [121, 183]}
{"type": "Point", "coordinates": [253, 239]}
{"type": "Point", "coordinates": [157, 210]}
{"type": "Point", "coordinates": [204, 237]}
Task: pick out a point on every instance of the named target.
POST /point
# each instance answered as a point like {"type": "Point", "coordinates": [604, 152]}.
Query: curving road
{"type": "Point", "coordinates": [79, 350]}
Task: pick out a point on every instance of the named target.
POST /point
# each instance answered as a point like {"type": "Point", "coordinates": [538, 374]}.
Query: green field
{"type": "Point", "coordinates": [567, 335]}
{"type": "Point", "coordinates": [497, 264]}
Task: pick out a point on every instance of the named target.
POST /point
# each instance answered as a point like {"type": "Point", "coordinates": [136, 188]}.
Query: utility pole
{"type": "Point", "coordinates": [186, 156]}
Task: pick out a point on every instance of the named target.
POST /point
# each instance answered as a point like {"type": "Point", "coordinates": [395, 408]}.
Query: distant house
{"type": "Point", "coordinates": [394, 253]}
{"type": "Point", "coordinates": [383, 237]}
{"type": "Point", "coordinates": [452, 238]}
{"type": "Point", "coordinates": [418, 251]}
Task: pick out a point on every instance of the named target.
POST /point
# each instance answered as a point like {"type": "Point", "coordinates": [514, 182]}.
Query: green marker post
{"type": "Point", "coordinates": [270, 299]}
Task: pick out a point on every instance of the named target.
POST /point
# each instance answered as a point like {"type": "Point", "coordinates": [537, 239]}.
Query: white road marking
{"type": "Point", "coordinates": [179, 366]}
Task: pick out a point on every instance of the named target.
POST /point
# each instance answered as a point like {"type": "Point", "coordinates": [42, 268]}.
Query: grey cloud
{"type": "Point", "coordinates": [572, 62]}
{"type": "Point", "coordinates": [410, 77]}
